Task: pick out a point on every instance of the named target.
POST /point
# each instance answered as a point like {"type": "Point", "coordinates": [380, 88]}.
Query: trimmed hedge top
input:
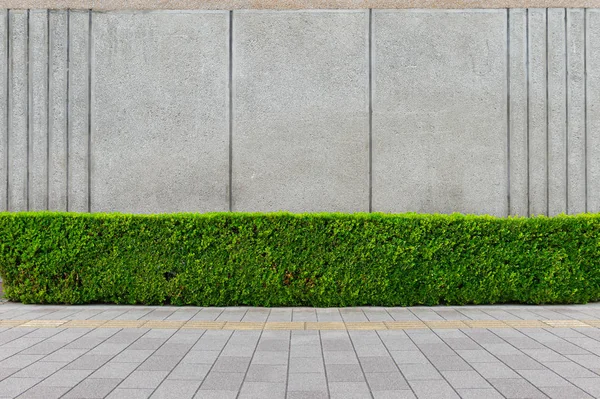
{"type": "Point", "coordinates": [282, 259]}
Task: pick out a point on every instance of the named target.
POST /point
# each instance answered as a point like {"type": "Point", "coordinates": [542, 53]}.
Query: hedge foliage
{"type": "Point", "coordinates": [281, 259]}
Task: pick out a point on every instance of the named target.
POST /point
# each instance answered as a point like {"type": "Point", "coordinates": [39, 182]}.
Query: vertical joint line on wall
{"type": "Point", "coordinates": [528, 106]}
{"type": "Point", "coordinates": [67, 121]}
{"type": "Point", "coordinates": [547, 127]}
{"type": "Point", "coordinates": [47, 109]}
{"type": "Point", "coordinates": [508, 110]}
{"type": "Point", "coordinates": [230, 110]}
{"type": "Point", "coordinates": [567, 106]}
{"type": "Point", "coordinates": [370, 110]}
{"type": "Point", "coordinates": [8, 72]}
{"type": "Point", "coordinates": [585, 115]}
{"type": "Point", "coordinates": [89, 115]}
{"type": "Point", "coordinates": [28, 112]}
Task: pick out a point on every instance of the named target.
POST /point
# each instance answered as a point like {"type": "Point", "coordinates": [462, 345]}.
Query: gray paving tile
{"type": "Point", "coordinates": [43, 348]}
{"type": "Point", "coordinates": [147, 344]}
{"type": "Point", "coordinates": [65, 355]}
{"type": "Point", "coordinates": [567, 392]}
{"type": "Point", "coordinates": [590, 385]}
{"type": "Point", "coordinates": [201, 357]}
{"type": "Point", "coordinates": [114, 370]}
{"type": "Point", "coordinates": [570, 370]}
{"type": "Point", "coordinates": [40, 369]}
{"type": "Point", "coordinates": [433, 389]}
{"type": "Point", "coordinates": [5, 372]}
{"type": "Point", "coordinates": [307, 382]}
{"type": "Point", "coordinates": [121, 393]}
{"type": "Point", "coordinates": [190, 371]}
{"type": "Point", "coordinates": [245, 350]}
{"type": "Point", "coordinates": [88, 362]}
{"type": "Point", "coordinates": [144, 379]}
{"type": "Point", "coordinates": [588, 361]}
{"type": "Point", "coordinates": [93, 388]}
{"type": "Point", "coordinates": [132, 356]}
{"type": "Point", "coordinates": [494, 370]}
{"type": "Point", "coordinates": [216, 381]}
{"type": "Point", "coordinates": [452, 362]}
{"type": "Point", "coordinates": [308, 395]}
{"type": "Point", "coordinates": [478, 393]}
{"type": "Point", "coordinates": [344, 373]}
{"type": "Point", "coordinates": [544, 378]}
{"type": "Point", "coordinates": [66, 378]}
{"type": "Point", "coordinates": [465, 379]}
{"type": "Point", "coordinates": [305, 351]}
{"type": "Point", "coordinates": [261, 390]}
{"type": "Point", "coordinates": [349, 390]}
{"type": "Point", "coordinates": [12, 387]}
{"type": "Point", "coordinates": [371, 350]}
{"type": "Point", "coordinates": [42, 392]}
{"type": "Point", "coordinates": [409, 357]}
{"type": "Point", "coordinates": [266, 373]}
{"type": "Point", "coordinates": [159, 363]}
{"type": "Point", "coordinates": [393, 381]}
{"type": "Point", "coordinates": [231, 364]}
{"type": "Point", "coordinates": [420, 372]}
{"type": "Point", "coordinates": [273, 345]}
{"type": "Point", "coordinates": [520, 362]}
{"type": "Point", "coordinates": [342, 357]}
{"type": "Point", "coordinates": [545, 355]}
{"type": "Point", "coordinates": [307, 365]}
{"type": "Point", "coordinates": [270, 358]}
{"type": "Point", "coordinates": [19, 361]}
{"type": "Point", "coordinates": [337, 345]}
{"type": "Point", "coordinates": [176, 389]}
{"type": "Point", "coordinates": [401, 394]}
{"type": "Point", "coordinates": [173, 349]}
{"type": "Point", "coordinates": [378, 364]}
{"type": "Point", "coordinates": [216, 394]}
{"type": "Point", "coordinates": [516, 388]}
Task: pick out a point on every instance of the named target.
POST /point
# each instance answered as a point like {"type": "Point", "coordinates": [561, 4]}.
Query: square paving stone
{"type": "Point", "coordinates": [171, 389]}
{"type": "Point", "coordinates": [433, 389]}
{"type": "Point", "coordinates": [513, 388]}
{"type": "Point", "coordinates": [337, 345]}
{"type": "Point", "coordinates": [307, 382]}
{"type": "Point", "coordinates": [393, 381]}
{"type": "Point", "coordinates": [305, 351]}
{"type": "Point", "coordinates": [88, 362]}
{"type": "Point", "coordinates": [409, 357]}
{"type": "Point", "coordinates": [307, 365]}
{"type": "Point", "coordinates": [160, 363]}
{"type": "Point", "coordinates": [231, 364]}
{"type": "Point", "coordinates": [189, 371]}
{"type": "Point", "coordinates": [65, 355]}
{"type": "Point", "coordinates": [479, 393]}
{"type": "Point", "coordinates": [66, 378]}
{"type": "Point", "coordinates": [43, 392]}
{"type": "Point", "coordinates": [271, 358]}
{"type": "Point", "coordinates": [217, 381]}
{"type": "Point", "coordinates": [40, 369]}
{"type": "Point", "coordinates": [494, 370]}
{"type": "Point", "coordinates": [144, 379]}
{"type": "Point", "coordinates": [419, 372]}
{"type": "Point", "coordinates": [266, 373]}
{"type": "Point", "coordinates": [273, 345]}
{"type": "Point", "coordinates": [123, 393]}
{"type": "Point", "coordinates": [308, 395]}
{"type": "Point", "coordinates": [476, 356]}
{"type": "Point", "coordinates": [93, 388]}
{"type": "Point", "coordinates": [569, 392]}
{"type": "Point", "coordinates": [19, 361]}
{"type": "Point", "coordinates": [591, 385]}
{"type": "Point", "coordinates": [570, 370]}
{"type": "Point", "coordinates": [544, 378]}
{"type": "Point", "coordinates": [202, 357]}
{"type": "Point", "coordinates": [132, 356]}
{"type": "Point", "coordinates": [114, 370]}
{"type": "Point", "coordinates": [378, 364]}
{"type": "Point", "coordinates": [446, 363]}
{"type": "Point", "coordinates": [344, 373]}
{"type": "Point", "coordinates": [520, 362]}
{"type": "Point", "coordinates": [349, 390]}
{"type": "Point", "coordinates": [261, 390]}
{"type": "Point", "coordinates": [402, 394]}
{"type": "Point", "coordinates": [216, 395]}
{"type": "Point", "coordinates": [12, 387]}
{"type": "Point", "coordinates": [341, 357]}
{"type": "Point", "coordinates": [371, 351]}
{"type": "Point", "coordinates": [465, 379]}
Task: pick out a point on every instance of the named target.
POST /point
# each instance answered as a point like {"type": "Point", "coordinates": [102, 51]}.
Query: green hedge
{"type": "Point", "coordinates": [282, 259]}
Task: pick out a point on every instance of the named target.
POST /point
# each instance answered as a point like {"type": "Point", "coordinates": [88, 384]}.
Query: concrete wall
{"type": "Point", "coordinates": [487, 111]}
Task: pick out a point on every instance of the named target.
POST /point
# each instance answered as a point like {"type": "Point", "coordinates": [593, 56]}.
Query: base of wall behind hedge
{"type": "Point", "coordinates": [285, 259]}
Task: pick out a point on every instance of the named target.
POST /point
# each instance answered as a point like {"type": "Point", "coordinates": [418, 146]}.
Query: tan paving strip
{"type": "Point", "coordinates": [295, 325]}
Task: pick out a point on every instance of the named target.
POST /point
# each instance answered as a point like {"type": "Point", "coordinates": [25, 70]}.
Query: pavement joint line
{"type": "Point", "coordinates": [300, 325]}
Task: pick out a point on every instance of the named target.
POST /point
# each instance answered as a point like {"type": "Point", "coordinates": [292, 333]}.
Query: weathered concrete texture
{"type": "Point", "coordinates": [301, 125]}
{"type": "Point", "coordinates": [538, 107]}
{"type": "Point", "coordinates": [593, 110]}
{"type": "Point", "coordinates": [18, 111]}
{"type": "Point", "coordinates": [439, 112]}
{"type": "Point", "coordinates": [576, 111]}
{"type": "Point", "coordinates": [38, 107]}
{"type": "Point", "coordinates": [159, 112]}
{"type": "Point", "coordinates": [3, 110]}
{"type": "Point", "coordinates": [518, 193]}
{"type": "Point", "coordinates": [78, 129]}
{"type": "Point", "coordinates": [557, 113]}
{"type": "Point", "coordinates": [290, 4]}
{"type": "Point", "coordinates": [57, 108]}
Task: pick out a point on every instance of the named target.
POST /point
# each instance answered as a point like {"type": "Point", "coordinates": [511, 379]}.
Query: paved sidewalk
{"type": "Point", "coordinates": [168, 352]}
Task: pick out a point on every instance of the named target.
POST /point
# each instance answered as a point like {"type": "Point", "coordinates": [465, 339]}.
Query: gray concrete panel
{"type": "Point", "coordinates": [593, 110]}
{"type": "Point", "coordinates": [518, 112]}
{"type": "Point", "coordinates": [576, 111]}
{"type": "Point", "coordinates": [159, 112]}
{"type": "Point", "coordinates": [17, 113]}
{"type": "Point", "coordinates": [439, 111]}
{"type": "Point", "coordinates": [300, 119]}
{"type": "Point", "coordinates": [3, 110]}
{"type": "Point", "coordinates": [57, 108]}
{"type": "Point", "coordinates": [557, 113]}
{"type": "Point", "coordinates": [38, 106]}
{"type": "Point", "coordinates": [538, 122]}
{"type": "Point", "coordinates": [78, 129]}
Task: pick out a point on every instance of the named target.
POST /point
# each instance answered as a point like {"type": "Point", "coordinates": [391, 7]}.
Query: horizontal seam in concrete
{"type": "Point", "coordinates": [291, 4]}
